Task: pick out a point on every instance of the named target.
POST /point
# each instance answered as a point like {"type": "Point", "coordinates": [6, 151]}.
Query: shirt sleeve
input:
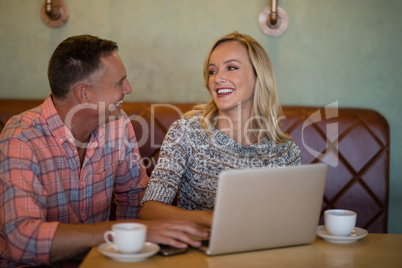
{"type": "Point", "coordinates": [23, 206]}
{"type": "Point", "coordinates": [165, 179]}
{"type": "Point", "coordinates": [131, 179]}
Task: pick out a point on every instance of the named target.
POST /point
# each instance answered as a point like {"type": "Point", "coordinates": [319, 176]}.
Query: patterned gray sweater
{"type": "Point", "coordinates": [190, 162]}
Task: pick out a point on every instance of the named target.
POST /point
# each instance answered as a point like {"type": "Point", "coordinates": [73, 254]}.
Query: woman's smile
{"type": "Point", "coordinates": [221, 92]}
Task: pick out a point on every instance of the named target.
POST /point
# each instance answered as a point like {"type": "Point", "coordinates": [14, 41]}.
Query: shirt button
{"type": "Point", "coordinates": [60, 139]}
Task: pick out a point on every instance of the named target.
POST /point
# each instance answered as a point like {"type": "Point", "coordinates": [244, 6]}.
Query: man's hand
{"type": "Point", "coordinates": [73, 239]}
{"type": "Point", "coordinates": [179, 234]}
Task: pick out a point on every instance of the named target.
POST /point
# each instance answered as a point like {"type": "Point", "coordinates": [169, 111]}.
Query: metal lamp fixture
{"type": "Point", "coordinates": [54, 13]}
{"type": "Point", "coordinates": [273, 20]}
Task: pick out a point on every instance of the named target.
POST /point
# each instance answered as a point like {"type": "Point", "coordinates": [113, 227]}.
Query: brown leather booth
{"type": "Point", "coordinates": [353, 142]}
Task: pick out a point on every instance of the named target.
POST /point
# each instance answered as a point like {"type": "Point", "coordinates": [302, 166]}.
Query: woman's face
{"type": "Point", "coordinates": [231, 78]}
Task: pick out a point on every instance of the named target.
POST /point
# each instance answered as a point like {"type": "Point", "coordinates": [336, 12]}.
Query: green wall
{"type": "Point", "coordinates": [348, 51]}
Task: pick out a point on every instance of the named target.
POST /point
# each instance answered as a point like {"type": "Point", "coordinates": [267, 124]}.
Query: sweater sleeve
{"type": "Point", "coordinates": [165, 179]}
{"type": "Point", "coordinates": [293, 155]}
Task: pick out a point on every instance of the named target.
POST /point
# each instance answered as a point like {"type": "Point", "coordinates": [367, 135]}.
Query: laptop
{"type": "Point", "coordinates": [266, 208]}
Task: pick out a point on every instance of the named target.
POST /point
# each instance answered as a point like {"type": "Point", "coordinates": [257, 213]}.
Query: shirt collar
{"type": "Point", "coordinates": [59, 130]}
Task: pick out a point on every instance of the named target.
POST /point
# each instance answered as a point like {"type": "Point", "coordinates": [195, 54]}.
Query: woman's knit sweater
{"type": "Point", "coordinates": [190, 162]}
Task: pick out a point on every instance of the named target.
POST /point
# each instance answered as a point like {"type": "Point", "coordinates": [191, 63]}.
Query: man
{"type": "Point", "coordinates": [61, 162]}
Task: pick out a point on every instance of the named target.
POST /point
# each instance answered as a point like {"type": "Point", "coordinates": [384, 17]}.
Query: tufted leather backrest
{"type": "Point", "coordinates": [353, 142]}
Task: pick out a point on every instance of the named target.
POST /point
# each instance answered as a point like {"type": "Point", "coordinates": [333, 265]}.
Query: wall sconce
{"type": "Point", "coordinates": [273, 20]}
{"type": "Point", "coordinates": [54, 13]}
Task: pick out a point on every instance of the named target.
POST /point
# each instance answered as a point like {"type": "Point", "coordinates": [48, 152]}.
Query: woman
{"type": "Point", "coordinates": [238, 128]}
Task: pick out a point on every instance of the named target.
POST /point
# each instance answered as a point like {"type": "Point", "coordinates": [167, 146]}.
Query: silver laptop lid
{"type": "Point", "coordinates": [267, 208]}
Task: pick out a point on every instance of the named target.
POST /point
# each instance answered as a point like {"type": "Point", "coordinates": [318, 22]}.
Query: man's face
{"type": "Point", "coordinates": [111, 86]}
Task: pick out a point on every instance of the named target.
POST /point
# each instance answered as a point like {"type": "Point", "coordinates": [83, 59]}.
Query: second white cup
{"type": "Point", "coordinates": [339, 222]}
{"type": "Point", "coordinates": [127, 237]}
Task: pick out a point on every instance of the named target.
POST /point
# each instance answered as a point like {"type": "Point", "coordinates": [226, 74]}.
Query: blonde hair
{"type": "Point", "coordinates": [267, 111]}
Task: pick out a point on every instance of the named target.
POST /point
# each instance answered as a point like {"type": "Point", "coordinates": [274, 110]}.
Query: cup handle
{"type": "Point", "coordinates": [106, 237]}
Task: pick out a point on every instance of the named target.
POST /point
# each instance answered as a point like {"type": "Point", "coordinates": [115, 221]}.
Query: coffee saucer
{"type": "Point", "coordinates": [357, 234]}
{"type": "Point", "coordinates": [148, 250]}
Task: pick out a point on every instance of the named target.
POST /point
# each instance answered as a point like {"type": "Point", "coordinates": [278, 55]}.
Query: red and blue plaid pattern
{"type": "Point", "coordinates": [43, 184]}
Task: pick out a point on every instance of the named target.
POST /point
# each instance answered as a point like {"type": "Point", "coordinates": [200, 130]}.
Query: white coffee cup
{"type": "Point", "coordinates": [339, 222]}
{"type": "Point", "coordinates": [127, 237]}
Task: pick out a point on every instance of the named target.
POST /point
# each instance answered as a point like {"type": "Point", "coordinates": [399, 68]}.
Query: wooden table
{"type": "Point", "coordinates": [375, 250]}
